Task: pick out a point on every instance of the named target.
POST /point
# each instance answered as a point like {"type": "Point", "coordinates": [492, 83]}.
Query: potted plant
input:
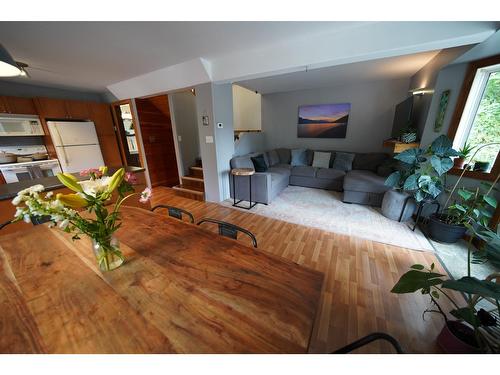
{"type": "Point", "coordinates": [423, 169]}
{"type": "Point", "coordinates": [464, 152]}
{"type": "Point", "coordinates": [467, 325]}
{"type": "Point", "coordinates": [470, 207]}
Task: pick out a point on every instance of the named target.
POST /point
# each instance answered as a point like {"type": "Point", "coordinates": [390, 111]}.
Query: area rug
{"type": "Point", "coordinates": [325, 210]}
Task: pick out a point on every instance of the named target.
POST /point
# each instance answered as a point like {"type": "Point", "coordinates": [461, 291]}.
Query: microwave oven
{"type": "Point", "coordinates": [13, 126]}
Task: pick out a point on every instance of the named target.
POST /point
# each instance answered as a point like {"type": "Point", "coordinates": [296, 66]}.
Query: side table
{"type": "Point", "coordinates": [243, 172]}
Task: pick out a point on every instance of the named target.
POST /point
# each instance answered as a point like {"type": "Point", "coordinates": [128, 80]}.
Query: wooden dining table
{"type": "Point", "coordinates": [182, 289]}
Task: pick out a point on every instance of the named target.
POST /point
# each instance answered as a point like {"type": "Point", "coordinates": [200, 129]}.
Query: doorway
{"type": "Point", "coordinates": [126, 123]}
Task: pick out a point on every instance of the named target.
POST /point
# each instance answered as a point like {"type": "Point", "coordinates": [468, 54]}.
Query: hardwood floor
{"type": "Point", "coordinates": [359, 275]}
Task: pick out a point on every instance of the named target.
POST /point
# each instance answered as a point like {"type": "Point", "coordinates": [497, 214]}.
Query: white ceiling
{"type": "Point", "coordinates": [379, 69]}
{"type": "Point", "coordinates": [96, 56]}
{"type": "Point", "coordinates": [93, 55]}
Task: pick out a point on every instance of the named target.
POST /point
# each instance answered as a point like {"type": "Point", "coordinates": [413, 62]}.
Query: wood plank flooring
{"type": "Point", "coordinates": [359, 275]}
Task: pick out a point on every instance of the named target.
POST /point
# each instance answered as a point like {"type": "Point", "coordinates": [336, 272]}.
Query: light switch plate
{"type": "Point", "coordinates": [220, 125]}
{"type": "Point", "coordinates": [209, 139]}
{"type": "Point", "coordinates": [179, 138]}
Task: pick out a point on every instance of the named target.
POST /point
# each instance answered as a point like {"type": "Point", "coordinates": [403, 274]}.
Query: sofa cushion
{"type": "Point", "coordinates": [285, 166]}
{"type": "Point", "coordinates": [284, 155]}
{"type": "Point", "coordinates": [272, 158]}
{"type": "Point", "coordinates": [304, 171]}
{"type": "Point", "coordinates": [321, 159]}
{"type": "Point", "coordinates": [242, 162]}
{"type": "Point", "coordinates": [343, 161]}
{"type": "Point", "coordinates": [369, 161]}
{"type": "Point", "coordinates": [329, 173]}
{"type": "Point", "coordinates": [280, 170]}
{"type": "Point", "coordinates": [299, 157]}
{"type": "Point", "coordinates": [259, 163]}
{"type": "Point", "coordinates": [365, 181]}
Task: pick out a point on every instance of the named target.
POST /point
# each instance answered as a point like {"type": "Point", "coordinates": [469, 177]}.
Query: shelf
{"type": "Point", "coordinates": [398, 147]}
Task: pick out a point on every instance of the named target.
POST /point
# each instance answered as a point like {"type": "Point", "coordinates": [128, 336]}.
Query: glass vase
{"type": "Point", "coordinates": [107, 252]}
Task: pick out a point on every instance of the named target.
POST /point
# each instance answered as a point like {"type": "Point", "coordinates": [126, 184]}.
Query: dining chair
{"type": "Point", "coordinates": [369, 339]}
{"type": "Point", "coordinates": [175, 212]}
{"type": "Point", "coordinates": [229, 230]}
{"type": "Point", "coordinates": [3, 225]}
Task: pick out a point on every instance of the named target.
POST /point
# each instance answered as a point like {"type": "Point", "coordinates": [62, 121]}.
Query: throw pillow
{"type": "Point", "coordinates": [259, 163]}
{"type": "Point", "coordinates": [272, 158]}
{"type": "Point", "coordinates": [321, 159]}
{"type": "Point", "coordinates": [343, 161]}
{"type": "Point", "coordinates": [299, 157]}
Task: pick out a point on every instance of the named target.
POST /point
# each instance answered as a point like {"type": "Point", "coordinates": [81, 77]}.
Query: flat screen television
{"type": "Point", "coordinates": [402, 117]}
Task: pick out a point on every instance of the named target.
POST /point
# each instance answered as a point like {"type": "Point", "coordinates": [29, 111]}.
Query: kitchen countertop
{"type": "Point", "coordinates": [9, 191]}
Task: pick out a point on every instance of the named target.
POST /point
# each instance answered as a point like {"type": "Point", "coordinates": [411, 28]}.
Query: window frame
{"type": "Point", "coordinates": [457, 116]}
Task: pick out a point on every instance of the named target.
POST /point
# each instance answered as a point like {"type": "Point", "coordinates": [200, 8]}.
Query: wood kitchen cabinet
{"type": "Point", "coordinates": [100, 113]}
{"type": "Point", "coordinates": [17, 105]}
{"type": "Point", "coordinates": [60, 109]}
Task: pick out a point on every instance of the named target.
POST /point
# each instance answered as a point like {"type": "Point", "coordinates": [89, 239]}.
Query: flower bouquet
{"type": "Point", "coordinates": [90, 195]}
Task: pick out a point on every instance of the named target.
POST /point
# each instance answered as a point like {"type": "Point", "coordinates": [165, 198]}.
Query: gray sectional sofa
{"type": "Point", "coordinates": [363, 184]}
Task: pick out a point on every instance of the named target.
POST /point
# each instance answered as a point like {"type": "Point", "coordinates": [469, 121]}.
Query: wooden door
{"type": "Point", "coordinates": [18, 105]}
{"type": "Point", "coordinates": [52, 108]}
{"type": "Point", "coordinates": [77, 110]}
{"type": "Point", "coordinates": [158, 140]}
{"type": "Point", "coordinates": [100, 113]}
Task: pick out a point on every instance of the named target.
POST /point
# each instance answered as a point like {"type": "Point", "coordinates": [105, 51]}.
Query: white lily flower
{"type": "Point", "coordinates": [18, 199]}
{"type": "Point", "coordinates": [95, 187]}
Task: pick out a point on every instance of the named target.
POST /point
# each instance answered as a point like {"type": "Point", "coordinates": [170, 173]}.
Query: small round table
{"type": "Point", "coordinates": [243, 172]}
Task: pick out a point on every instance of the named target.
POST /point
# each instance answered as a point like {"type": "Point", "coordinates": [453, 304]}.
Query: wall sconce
{"type": "Point", "coordinates": [421, 91]}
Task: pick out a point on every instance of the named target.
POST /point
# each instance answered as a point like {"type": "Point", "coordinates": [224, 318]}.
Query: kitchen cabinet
{"type": "Point", "coordinates": [17, 105]}
{"type": "Point", "coordinates": [60, 109]}
{"type": "Point", "coordinates": [100, 114]}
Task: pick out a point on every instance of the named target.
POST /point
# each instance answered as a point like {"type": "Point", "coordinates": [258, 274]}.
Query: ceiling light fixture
{"type": "Point", "coordinates": [421, 91]}
{"type": "Point", "coordinates": [8, 67]}
{"type": "Point", "coordinates": [22, 67]}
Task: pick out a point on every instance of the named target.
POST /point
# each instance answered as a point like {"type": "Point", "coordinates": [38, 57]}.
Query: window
{"type": "Point", "coordinates": [477, 116]}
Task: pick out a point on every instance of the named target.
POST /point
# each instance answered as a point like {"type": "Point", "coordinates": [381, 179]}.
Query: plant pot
{"type": "Point", "coordinates": [481, 166]}
{"type": "Point", "coordinates": [442, 232]}
{"type": "Point", "coordinates": [459, 163]}
{"type": "Point", "coordinates": [457, 338]}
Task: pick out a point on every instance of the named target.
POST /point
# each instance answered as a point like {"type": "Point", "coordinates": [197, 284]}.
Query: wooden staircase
{"type": "Point", "coordinates": [192, 186]}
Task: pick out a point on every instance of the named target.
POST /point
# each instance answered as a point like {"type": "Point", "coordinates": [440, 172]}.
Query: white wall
{"type": "Point", "coordinates": [246, 109]}
{"type": "Point", "coordinates": [370, 119]}
{"type": "Point", "coordinates": [184, 116]}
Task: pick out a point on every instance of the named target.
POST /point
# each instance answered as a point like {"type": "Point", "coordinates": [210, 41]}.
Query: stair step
{"type": "Point", "coordinates": [196, 171]}
{"type": "Point", "coordinates": [193, 182]}
{"type": "Point", "coordinates": [190, 192]}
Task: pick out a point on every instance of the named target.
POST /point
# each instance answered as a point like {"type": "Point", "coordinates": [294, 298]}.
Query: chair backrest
{"type": "Point", "coordinates": [175, 212]}
{"type": "Point", "coordinates": [367, 340]}
{"type": "Point", "coordinates": [229, 230]}
{"type": "Point", "coordinates": [2, 225]}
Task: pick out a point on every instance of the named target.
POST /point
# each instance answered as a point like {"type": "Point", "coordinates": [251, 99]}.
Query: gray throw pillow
{"type": "Point", "coordinates": [299, 157]}
{"type": "Point", "coordinates": [272, 158]}
{"type": "Point", "coordinates": [321, 159]}
{"type": "Point", "coordinates": [343, 161]}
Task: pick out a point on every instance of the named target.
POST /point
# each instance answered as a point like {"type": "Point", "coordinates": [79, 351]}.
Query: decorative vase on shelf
{"type": "Point", "coordinates": [107, 252]}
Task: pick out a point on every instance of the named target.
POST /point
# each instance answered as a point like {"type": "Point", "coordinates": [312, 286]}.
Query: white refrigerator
{"type": "Point", "coordinates": [77, 145]}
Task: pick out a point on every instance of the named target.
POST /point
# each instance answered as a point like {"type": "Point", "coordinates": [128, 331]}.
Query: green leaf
{"type": "Point", "coordinates": [472, 285]}
{"type": "Point", "coordinates": [414, 280]}
{"type": "Point", "coordinates": [441, 165]}
{"type": "Point", "coordinates": [490, 200]}
{"type": "Point", "coordinates": [417, 267]}
{"type": "Point", "coordinates": [410, 156]}
{"type": "Point", "coordinates": [465, 194]}
{"type": "Point", "coordinates": [441, 145]}
{"type": "Point", "coordinates": [466, 314]}
{"type": "Point", "coordinates": [419, 195]}
{"type": "Point", "coordinates": [393, 179]}
{"type": "Point", "coordinates": [435, 294]}
{"type": "Point", "coordinates": [411, 182]}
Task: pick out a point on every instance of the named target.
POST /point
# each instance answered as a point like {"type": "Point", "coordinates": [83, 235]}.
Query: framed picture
{"type": "Point", "coordinates": [443, 103]}
{"type": "Point", "coordinates": [323, 120]}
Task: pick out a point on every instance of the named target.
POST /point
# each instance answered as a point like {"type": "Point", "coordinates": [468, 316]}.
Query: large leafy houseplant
{"type": "Point", "coordinates": [92, 195]}
{"type": "Point", "coordinates": [423, 169]}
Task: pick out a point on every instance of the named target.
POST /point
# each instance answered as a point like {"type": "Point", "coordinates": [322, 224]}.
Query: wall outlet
{"type": "Point", "coordinates": [220, 125]}
{"type": "Point", "coordinates": [209, 139]}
